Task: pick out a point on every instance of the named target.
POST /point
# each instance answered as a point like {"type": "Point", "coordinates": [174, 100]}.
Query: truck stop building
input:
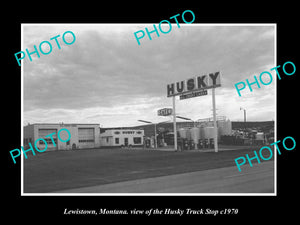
{"type": "Point", "coordinates": [83, 136]}
{"type": "Point", "coordinates": [122, 138]}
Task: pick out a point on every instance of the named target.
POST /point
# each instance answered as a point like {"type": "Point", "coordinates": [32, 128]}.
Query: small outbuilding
{"type": "Point", "coordinates": [122, 138]}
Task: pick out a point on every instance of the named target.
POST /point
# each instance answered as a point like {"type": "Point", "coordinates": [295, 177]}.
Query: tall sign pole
{"type": "Point", "coordinates": [174, 124]}
{"type": "Point", "coordinates": [194, 87]}
{"type": "Point", "coordinates": [215, 120]}
{"type": "Point", "coordinates": [155, 137]}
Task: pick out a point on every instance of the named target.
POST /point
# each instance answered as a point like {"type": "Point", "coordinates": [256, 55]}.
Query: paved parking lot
{"type": "Point", "coordinates": [61, 170]}
{"type": "Point", "coordinates": [258, 179]}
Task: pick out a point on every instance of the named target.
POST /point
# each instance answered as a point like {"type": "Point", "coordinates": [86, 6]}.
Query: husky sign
{"type": "Point", "coordinates": [193, 87]}
{"type": "Point", "coordinates": [203, 82]}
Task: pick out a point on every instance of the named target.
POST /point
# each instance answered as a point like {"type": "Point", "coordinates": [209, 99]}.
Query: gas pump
{"type": "Point", "coordinates": [206, 143]}
{"type": "Point", "coordinates": [211, 143]}
{"type": "Point", "coordinates": [180, 144]}
{"type": "Point", "coordinates": [200, 145]}
{"type": "Point", "coordinates": [185, 144]}
{"type": "Point", "coordinates": [147, 143]}
{"type": "Point", "coordinates": [191, 145]}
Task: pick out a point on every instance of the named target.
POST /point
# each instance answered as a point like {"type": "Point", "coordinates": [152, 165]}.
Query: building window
{"type": "Point", "coordinates": [84, 141]}
{"type": "Point", "coordinates": [107, 139]}
{"type": "Point", "coordinates": [117, 141]}
{"type": "Point", "coordinates": [48, 140]}
{"type": "Point", "coordinates": [137, 140]}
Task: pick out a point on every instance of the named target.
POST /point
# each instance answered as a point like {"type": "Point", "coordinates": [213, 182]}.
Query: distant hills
{"type": "Point", "coordinates": [252, 124]}
{"type": "Point", "coordinates": [149, 128]}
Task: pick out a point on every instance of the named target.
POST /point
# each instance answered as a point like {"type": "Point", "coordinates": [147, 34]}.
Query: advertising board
{"type": "Point", "coordinates": [203, 82]}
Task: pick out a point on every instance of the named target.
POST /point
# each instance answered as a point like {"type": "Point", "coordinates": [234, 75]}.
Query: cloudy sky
{"type": "Point", "coordinates": [105, 77]}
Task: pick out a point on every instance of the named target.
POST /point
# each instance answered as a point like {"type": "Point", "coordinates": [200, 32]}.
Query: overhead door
{"type": "Point", "coordinates": [44, 132]}
{"type": "Point", "coordinates": [86, 137]}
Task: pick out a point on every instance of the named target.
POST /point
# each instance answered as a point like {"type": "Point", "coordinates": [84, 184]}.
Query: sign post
{"type": "Point", "coordinates": [194, 87]}
{"type": "Point", "coordinates": [215, 120]}
{"type": "Point", "coordinates": [174, 125]}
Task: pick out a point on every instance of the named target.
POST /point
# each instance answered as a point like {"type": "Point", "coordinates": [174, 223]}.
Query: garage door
{"type": "Point", "coordinates": [86, 136]}
{"type": "Point", "coordinates": [45, 132]}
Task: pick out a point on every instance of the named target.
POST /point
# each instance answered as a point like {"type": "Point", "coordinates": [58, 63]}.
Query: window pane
{"type": "Point", "coordinates": [137, 140]}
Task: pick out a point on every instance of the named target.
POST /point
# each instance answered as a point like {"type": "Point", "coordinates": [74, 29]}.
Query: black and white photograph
{"type": "Point", "coordinates": [116, 96]}
{"type": "Point", "coordinates": [148, 111]}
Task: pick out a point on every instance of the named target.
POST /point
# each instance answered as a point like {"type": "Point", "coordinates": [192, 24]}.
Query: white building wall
{"type": "Point", "coordinates": [108, 138]}
{"type": "Point", "coordinates": [73, 143]}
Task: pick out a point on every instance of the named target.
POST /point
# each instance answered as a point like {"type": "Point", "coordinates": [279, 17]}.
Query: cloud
{"type": "Point", "coordinates": [106, 72]}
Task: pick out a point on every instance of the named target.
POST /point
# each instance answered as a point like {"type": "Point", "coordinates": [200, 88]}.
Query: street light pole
{"type": "Point", "coordinates": [244, 119]}
{"type": "Point", "coordinates": [155, 137]}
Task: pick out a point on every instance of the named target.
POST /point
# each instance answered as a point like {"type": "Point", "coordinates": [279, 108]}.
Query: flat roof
{"type": "Point", "coordinates": [63, 124]}
{"type": "Point", "coordinates": [121, 128]}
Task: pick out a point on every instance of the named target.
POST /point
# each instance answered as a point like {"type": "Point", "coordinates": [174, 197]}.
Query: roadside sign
{"type": "Point", "coordinates": [203, 82]}
{"type": "Point", "coordinates": [193, 94]}
{"type": "Point", "coordinates": [164, 112]}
